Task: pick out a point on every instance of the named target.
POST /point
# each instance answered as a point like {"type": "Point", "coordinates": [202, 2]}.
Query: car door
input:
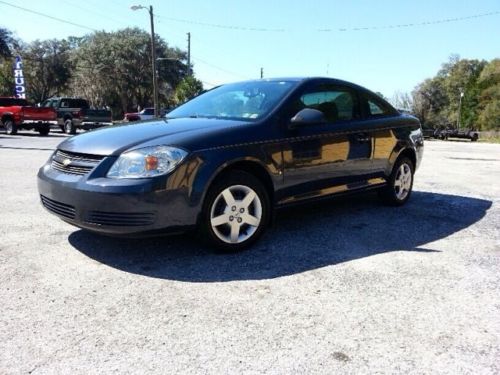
{"type": "Point", "coordinates": [330, 157]}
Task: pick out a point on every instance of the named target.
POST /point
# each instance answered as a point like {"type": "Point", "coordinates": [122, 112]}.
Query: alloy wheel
{"type": "Point", "coordinates": [403, 181]}
{"type": "Point", "coordinates": [236, 214]}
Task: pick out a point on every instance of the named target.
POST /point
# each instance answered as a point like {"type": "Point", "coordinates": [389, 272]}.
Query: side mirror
{"type": "Point", "coordinates": [307, 116]}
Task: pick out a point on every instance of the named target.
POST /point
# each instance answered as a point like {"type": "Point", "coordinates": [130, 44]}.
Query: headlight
{"type": "Point", "coordinates": [147, 162]}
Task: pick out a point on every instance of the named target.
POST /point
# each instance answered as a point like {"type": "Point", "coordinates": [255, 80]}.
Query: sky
{"type": "Point", "coordinates": [231, 40]}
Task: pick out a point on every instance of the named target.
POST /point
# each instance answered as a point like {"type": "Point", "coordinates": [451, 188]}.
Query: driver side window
{"type": "Point", "coordinates": [337, 103]}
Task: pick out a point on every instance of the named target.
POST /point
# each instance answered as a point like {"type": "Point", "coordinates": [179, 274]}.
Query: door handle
{"type": "Point", "coordinates": [362, 137]}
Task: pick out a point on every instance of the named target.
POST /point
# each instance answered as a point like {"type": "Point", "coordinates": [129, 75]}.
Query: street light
{"type": "Point", "coordinates": [460, 108]}
{"type": "Point", "coordinates": [153, 56]}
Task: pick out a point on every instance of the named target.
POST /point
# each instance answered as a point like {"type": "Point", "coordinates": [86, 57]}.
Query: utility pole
{"type": "Point", "coordinates": [460, 109]}
{"type": "Point", "coordinates": [189, 53]}
{"type": "Point", "coordinates": [153, 56]}
{"type": "Point", "coordinates": [261, 73]}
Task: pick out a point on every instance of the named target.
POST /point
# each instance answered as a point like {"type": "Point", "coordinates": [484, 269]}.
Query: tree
{"type": "Point", "coordinates": [436, 100]}
{"type": "Point", "coordinates": [429, 101]}
{"type": "Point", "coordinates": [8, 46]}
{"type": "Point", "coordinates": [489, 97]}
{"type": "Point", "coordinates": [114, 68]}
{"type": "Point", "coordinates": [462, 76]}
{"type": "Point", "coordinates": [402, 100]}
{"type": "Point", "coordinates": [7, 43]}
{"type": "Point", "coordinates": [47, 68]}
{"type": "Point", "coordinates": [188, 88]}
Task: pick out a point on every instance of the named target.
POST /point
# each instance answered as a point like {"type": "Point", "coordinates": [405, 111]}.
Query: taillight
{"type": "Point", "coordinates": [77, 114]}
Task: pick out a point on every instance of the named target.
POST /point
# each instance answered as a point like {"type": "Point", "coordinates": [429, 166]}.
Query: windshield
{"type": "Point", "coordinates": [237, 101]}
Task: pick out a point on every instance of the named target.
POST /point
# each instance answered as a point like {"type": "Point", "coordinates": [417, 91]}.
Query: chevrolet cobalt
{"type": "Point", "coordinates": [224, 161]}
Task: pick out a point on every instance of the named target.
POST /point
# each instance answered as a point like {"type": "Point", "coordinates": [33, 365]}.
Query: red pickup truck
{"type": "Point", "coordinates": [16, 114]}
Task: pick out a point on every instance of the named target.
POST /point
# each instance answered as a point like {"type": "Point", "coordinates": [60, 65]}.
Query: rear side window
{"type": "Point", "coordinates": [74, 103]}
{"type": "Point", "coordinates": [376, 107]}
{"type": "Point", "coordinates": [336, 103]}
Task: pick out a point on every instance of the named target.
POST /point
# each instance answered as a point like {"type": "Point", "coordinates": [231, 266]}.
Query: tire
{"type": "Point", "coordinates": [10, 127]}
{"type": "Point", "coordinates": [474, 137]}
{"type": "Point", "coordinates": [69, 127]}
{"type": "Point", "coordinates": [400, 183]}
{"type": "Point", "coordinates": [236, 212]}
{"type": "Point", "coordinates": [44, 129]}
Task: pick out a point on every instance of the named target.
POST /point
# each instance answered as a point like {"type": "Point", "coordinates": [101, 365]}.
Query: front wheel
{"type": "Point", "coordinates": [400, 183]}
{"type": "Point", "coordinates": [236, 212]}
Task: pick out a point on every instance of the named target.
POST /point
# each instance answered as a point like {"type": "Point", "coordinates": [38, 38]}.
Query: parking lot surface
{"type": "Point", "coordinates": [347, 286]}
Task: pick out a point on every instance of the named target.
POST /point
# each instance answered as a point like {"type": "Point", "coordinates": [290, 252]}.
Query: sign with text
{"type": "Point", "coordinates": [19, 78]}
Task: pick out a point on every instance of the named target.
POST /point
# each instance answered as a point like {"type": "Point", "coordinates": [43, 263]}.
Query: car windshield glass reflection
{"type": "Point", "coordinates": [242, 101]}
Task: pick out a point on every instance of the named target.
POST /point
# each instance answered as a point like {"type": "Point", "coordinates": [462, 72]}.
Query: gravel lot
{"type": "Point", "coordinates": [347, 286]}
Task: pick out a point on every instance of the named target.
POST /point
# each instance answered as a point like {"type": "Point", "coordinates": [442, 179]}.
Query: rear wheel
{"type": "Point", "coordinates": [69, 127]}
{"type": "Point", "coordinates": [400, 183]}
{"type": "Point", "coordinates": [10, 128]}
{"type": "Point", "coordinates": [236, 212]}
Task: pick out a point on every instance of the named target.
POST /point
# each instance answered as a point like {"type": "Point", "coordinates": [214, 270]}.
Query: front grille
{"type": "Point", "coordinates": [74, 163]}
{"type": "Point", "coordinates": [70, 169]}
{"type": "Point", "coordinates": [58, 208]}
{"type": "Point", "coordinates": [132, 219]}
{"type": "Point", "coordinates": [85, 158]}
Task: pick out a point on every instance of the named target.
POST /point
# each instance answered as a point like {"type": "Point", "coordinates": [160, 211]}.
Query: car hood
{"type": "Point", "coordinates": [114, 140]}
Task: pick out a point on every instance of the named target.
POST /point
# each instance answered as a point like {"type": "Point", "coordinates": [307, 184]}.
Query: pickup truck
{"type": "Point", "coordinates": [75, 113]}
{"type": "Point", "coordinates": [16, 114]}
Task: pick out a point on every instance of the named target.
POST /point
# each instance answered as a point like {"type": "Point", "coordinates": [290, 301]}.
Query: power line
{"type": "Point", "coordinates": [95, 13]}
{"type": "Point", "coordinates": [218, 68]}
{"type": "Point", "coordinates": [47, 16]}
{"type": "Point", "coordinates": [426, 23]}
{"type": "Point", "coordinates": [260, 29]}
{"type": "Point", "coordinates": [220, 26]}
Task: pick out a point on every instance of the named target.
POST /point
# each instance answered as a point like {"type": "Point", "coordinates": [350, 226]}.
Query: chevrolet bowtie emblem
{"type": "Point", "coordinates": [66, 162]}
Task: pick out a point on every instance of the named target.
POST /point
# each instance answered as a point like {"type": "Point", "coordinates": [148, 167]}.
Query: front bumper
{"type": "Point", "coordinates": [117, 206]}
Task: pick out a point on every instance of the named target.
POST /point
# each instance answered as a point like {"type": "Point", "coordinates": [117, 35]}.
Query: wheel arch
{"type": "Point", "coordinates": [8, 116]}
{"type": "Point", "coordinates": [410, 154]}
{"type": "Point", "coordinates": [249, 165]}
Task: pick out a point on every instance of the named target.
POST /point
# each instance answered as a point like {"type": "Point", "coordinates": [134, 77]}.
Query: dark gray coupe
{"type": "Point", "coordinates": [224, 161]}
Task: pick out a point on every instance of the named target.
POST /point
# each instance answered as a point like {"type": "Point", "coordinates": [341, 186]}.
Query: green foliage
{"type": "Point", "coordinates": [7, 43]}
{"type": "Point", "coordinates": [188, 88]}
{"type": "Point", "coordinates": [8, 46]}
{"type": "Point", "coordinates": [489, 99]}
{"type": "Point", "coordinates": [116, 69]}
{"type": "Point", "coordinates": [47, 68]}
{"type": "Point", "coordinates": [436, 101]}
{"type": "Point", "coordinates": [6, 77]}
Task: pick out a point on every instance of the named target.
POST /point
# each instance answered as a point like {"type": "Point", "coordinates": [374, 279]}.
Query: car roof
{"type": "Point", "coordinates": [306, 79]}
